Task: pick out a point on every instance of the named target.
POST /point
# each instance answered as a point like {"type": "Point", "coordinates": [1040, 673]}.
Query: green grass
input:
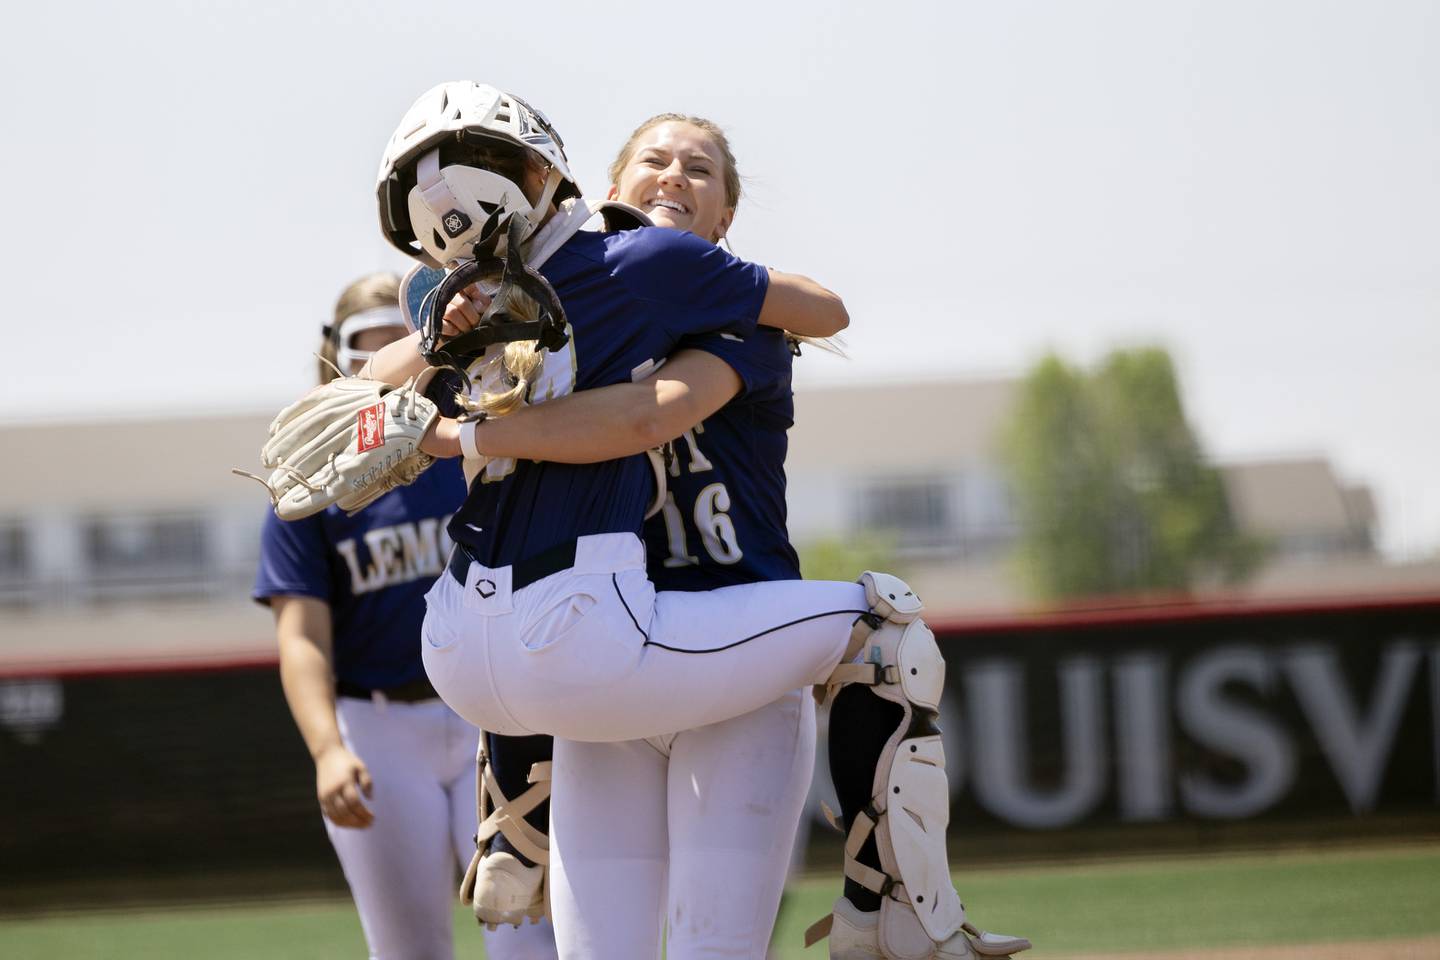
{"type": "Point", "coordinates": [1170, 904]}
{"type": "Point", "coordinates": [1138, 905]}
{"type": "Point", "coordinates": [278, 932]}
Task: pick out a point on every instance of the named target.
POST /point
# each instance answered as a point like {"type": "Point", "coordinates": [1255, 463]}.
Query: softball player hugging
{"type": "Point", "coordinates": [547, 622]}
{"type": "Point", "coordinates": [697, 822]}
{"type": "Point", "coordinates": [394, 766]}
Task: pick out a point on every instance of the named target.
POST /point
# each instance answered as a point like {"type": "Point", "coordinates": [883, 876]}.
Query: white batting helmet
{"type": "Point", "coordinates": [436, 191]}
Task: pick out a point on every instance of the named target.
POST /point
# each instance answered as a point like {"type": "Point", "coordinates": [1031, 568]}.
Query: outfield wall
{"type": "Point", "coordinates": [1217, 713]}
{"type": "Point", "coordinates": [1102, 718]}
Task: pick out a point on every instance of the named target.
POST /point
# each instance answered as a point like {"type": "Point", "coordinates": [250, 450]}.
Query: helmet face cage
{"type": "Point", "coordinates": [550, 330]}
{"type": "Point", "coordinates": [464, 121]}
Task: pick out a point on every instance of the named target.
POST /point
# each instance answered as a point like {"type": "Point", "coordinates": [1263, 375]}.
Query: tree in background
{"type": "Point", "coordinates": [835, 559]}
{"type": "Point", "coordinates": [1112, 490]}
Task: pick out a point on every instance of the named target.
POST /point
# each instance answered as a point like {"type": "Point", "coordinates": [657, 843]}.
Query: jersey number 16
{"type": "Point", "coordinates": [717, 530]}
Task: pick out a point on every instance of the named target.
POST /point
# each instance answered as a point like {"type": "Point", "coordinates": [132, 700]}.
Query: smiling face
{"type": "Point", "coordinates": [676, 173]}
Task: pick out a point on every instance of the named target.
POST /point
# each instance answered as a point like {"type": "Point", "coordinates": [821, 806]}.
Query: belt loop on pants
{"type": "Point", "coordinates": [523, 572]}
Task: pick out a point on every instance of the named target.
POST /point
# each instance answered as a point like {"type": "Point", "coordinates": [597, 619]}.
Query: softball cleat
{"type": "Point", "coordinates": [507, 891]}
{"type": "Point", "coordinates": [855, 935]}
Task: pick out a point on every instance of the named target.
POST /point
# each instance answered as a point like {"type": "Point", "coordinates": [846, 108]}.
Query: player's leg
{"type": "Point", "coordinates": [401, 868]}
{"type": "Point", "coordinates": [506, 881]}
{"type": "Point", "coordinates": [531, 941]}
{"type": "Point", "coordinates": [860, 726]}
{"type": "Point", "coordinates": [888, 765]}
{"type": "Point", "coordinates": [899, 764]}
{"type": "Point", "coordinates": [795, 863]}
{"type": "Point", "coordinates": [608, 850]}
{"type": "Point", "coordinates": [697, 658]}
{"type": "Point", "coordinates": [736, 792]}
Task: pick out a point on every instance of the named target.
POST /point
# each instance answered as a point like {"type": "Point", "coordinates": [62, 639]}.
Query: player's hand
{"type": "Point", "coordinates": [463, 312]}
{"type": "Point", "coordinates": [340, 780]}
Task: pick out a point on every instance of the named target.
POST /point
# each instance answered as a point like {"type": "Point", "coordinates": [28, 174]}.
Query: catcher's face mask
{"type": "Point", "coordinates": [495, 326]}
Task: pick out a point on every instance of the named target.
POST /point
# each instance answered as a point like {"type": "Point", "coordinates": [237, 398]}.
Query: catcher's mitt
{"type": "Point", "coordinates": [346, 442]}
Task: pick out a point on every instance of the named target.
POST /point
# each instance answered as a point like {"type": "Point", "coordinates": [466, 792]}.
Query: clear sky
{"type": "Point", "coordinates": [1255, 185]}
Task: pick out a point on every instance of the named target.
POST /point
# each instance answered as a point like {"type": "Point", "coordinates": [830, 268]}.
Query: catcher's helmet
{"type": "Point", "coordinates": [436, 196]}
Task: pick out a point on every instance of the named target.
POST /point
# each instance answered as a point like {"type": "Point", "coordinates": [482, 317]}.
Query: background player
{"type": "Point", "coordinates": [394, 766]}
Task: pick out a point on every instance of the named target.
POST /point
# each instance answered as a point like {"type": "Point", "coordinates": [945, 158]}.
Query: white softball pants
{"type": "Point", "coordinates": [594, 653]}
{"type": "Point", "coordinates": [403, 870]}
{"type": "Point", "coordinates": [690, 832]}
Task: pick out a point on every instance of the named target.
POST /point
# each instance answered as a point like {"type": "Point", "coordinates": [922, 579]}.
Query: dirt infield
{"type": "Point", "coordinates": [1424, 948]}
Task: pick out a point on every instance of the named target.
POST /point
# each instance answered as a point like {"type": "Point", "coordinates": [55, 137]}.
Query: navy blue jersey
{"type": "Point", "coordinates": [724, 516]}
{"type": "Point", "coordinates": [372, 569]}
{"type": "Point", "coordinates": [630, 298]}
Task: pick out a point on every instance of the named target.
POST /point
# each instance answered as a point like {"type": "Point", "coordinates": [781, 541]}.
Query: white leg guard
{"type": "Point", "coordinates": [921, 916]}
{"type": "Point", "coordinates": [910, 806]}
{"type": "Point", "coordinates": [499, 887]}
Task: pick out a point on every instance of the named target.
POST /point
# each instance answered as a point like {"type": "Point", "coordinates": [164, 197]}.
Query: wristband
{"type": "Point", "coordinates": [467, 439]}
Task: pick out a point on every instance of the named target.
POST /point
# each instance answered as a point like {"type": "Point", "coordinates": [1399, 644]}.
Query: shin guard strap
{"type": "Point", "coordinates": [507, 816]}
{"type": "Point", "coordinates": [819, 930]}
{"type": "Point", "coordinates": [868, 877]}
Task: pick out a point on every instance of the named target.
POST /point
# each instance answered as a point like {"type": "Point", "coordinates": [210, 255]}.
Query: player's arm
{"type": "Point", "coordinates": [395, 362]}
{"type": "Point", "coordinates": [604, 423]}
{"type": "Point", "coordinates": [802, 306]}
{"type": "Point", "coordinates": [302, 626]}
{"type": "Point", "coordinates": [709, 290]}
{"type": "Point", "coordinates": [400, 360]}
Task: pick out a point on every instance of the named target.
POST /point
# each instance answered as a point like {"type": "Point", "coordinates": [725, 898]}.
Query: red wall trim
{"type": "Point", "coordinates": [1129, 613]}
{"type": "Point", "coordinates": [1091, 616]}
{"type": "Point", "coordinates": [135, 666]}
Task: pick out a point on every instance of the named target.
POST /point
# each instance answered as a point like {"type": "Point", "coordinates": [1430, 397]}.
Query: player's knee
{"type": "Point", "coordinates": [920, 666]}
{"type": "Point", "coordinates": [899, 662]}
{"type": "Point", "coordinates": [889, 597]}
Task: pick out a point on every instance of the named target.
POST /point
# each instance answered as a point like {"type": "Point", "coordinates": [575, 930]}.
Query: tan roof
{"type": "Point", "coordinates": [922, 425]}
{"type": "Point", "coordinates": [230, 627]}
{"type": "Point", "coordinates": [141, 463]}
{"type": "Point", "coordinates": [1291, 497]}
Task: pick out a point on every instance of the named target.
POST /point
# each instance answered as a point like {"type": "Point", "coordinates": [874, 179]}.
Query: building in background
{"type": "Point", "coordinates": [132, 539]}
{"type": "Point", "coordinates": [917, 465]}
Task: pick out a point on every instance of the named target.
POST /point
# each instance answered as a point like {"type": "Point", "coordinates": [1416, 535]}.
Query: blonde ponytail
{"type": "Point", "coordinates": [518, 366]}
